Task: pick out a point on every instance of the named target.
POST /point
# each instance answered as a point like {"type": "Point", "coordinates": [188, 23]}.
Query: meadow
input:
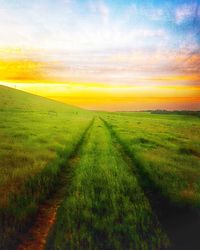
{"type": "Point", "coordinates": [123, 171]}
{"type": "Point", "coordinates": [167, 150]}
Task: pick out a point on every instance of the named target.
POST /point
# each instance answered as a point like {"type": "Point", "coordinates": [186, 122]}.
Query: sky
{"type": "Point", "coordinates": [103, 54]}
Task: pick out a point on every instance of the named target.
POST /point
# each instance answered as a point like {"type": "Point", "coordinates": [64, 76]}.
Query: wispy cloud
{"type": "Point", "coordinates": [100, 7]}
{"type": "Point", "coordinates": [184, 13]}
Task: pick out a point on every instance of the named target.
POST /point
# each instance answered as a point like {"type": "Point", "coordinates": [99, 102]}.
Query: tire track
{"type": "Point", "coordinates": [105, 208]}
{"type": "Point", "coordinates": [37, 235]}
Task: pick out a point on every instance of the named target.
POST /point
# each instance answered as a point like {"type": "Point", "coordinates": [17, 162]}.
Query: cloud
{"type": "Point", "coordinates": [184, 13]}
{"type": "Point", "coordinates": [154, 14]}
{"type": "Point", "coordinates": [100, 8]}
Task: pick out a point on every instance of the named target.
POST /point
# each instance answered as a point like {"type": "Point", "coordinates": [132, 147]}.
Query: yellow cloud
{"type": "Point", "coordinates": [21, 70]}
{"type": "Point", "coordinates": [176, 78]}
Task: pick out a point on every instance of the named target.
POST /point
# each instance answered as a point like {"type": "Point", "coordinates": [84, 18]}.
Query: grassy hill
{"type": "Point", "coordinates": [37, 136]}
{"type": "Point", "coordinates": [13, 99]}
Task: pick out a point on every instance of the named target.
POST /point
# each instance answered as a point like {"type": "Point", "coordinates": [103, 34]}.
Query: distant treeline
{"type": "Point", "coordinates": [175, 112]}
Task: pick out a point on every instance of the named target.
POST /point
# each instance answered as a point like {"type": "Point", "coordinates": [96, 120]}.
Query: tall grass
{"type": "Point", "coordinates": [105, 207]}
{"type": "Point", "coordinates": [167, 149]}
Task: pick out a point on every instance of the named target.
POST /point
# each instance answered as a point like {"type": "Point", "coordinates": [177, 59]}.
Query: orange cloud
{"type": "Point", "coordinates": [21, 70]}
{"type": "Point", "coordinates": [176, 78]}
{"type": "Point", "coordinates": [98, 85]}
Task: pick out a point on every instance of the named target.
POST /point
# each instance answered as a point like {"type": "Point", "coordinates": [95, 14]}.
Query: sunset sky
{"type": "Point", "coordinates": [104, 54]}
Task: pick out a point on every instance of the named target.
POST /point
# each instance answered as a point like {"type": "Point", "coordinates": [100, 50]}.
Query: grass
{"type": "Point", "coordinates": [166, 148]}
{"type": "Point", "coordinates": [35, 143]}
{"type": "Point", "coordinates": [112, 165]}
{"type": "Point", "coordinates": [105, 207]}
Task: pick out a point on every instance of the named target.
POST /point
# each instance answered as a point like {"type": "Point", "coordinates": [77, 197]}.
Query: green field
{"type": "Point", "coordinates": [126, 175]}
{"type": "Point", "coordinates": [167, 150]}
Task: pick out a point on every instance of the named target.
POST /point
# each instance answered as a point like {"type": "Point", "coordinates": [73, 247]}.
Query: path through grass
{"type": "Point", "coordinates": [105, 207]}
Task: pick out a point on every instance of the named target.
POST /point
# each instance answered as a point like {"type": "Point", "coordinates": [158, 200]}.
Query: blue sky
{"type": "Point", "coordinates": [29, 23]}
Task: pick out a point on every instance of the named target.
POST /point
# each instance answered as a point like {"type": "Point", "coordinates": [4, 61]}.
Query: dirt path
{"type": "Point", "coordinates": [36, 237]}
{"type": "Point", "coordinates": [182, 225]}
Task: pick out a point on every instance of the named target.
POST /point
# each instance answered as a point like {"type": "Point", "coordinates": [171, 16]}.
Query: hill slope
{"type": "Point", "coordinates": [33, 129]}
{"type": "Point", "coordinates": [38, 136]}
{"type": "Point", "coordinates": [19, 100]}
